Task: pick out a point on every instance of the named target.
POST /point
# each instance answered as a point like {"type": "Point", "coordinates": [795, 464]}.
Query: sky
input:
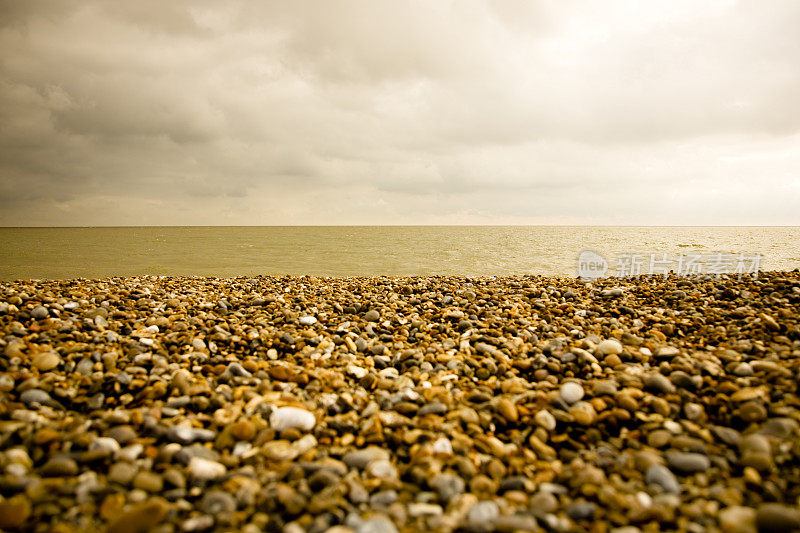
{"type": "Point", "coordinates": [384, 112]}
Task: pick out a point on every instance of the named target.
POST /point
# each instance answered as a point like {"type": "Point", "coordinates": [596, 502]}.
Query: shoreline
{"type": "Point", "coordinates": [303, 403]}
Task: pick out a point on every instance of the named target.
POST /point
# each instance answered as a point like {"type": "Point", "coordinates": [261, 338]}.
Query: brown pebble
{"type": "Point", "coordinates": [140, 518]}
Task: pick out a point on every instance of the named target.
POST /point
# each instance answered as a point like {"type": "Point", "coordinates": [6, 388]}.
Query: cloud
{"type": "Point", "coordinates": [371, 112]}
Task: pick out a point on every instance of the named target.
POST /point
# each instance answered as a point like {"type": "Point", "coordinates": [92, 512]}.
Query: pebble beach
{"type": "Point", "coordinates": [394, 404]}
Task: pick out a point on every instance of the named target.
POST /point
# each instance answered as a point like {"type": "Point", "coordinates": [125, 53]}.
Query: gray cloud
{"type": "Point", "coordinates": [378, 112]}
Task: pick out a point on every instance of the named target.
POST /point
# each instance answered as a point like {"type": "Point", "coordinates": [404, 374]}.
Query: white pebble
{"type": "Point", "coordinates": [442, 446]}
{"type": "Point", "coordinates": [571, 392]}
{"type": "Point", "coordinates": [382, 469]}
{"type": "Point", "coordinates": [284, 418]}
{"type": "Point", "coordinates": [205, 469]}
{"type": "Point", "coordinates": [107, 444]}
{"type": "Point", "coordinates": [545, 419]}
{"type": "Point", "coordinates": [609, 347]}
{"type": "Point", "coordinates": [356, 371]}
{"type": "Point", "coordinates": [308, 320]}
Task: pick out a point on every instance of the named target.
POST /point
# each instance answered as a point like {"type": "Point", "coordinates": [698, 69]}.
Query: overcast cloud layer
{"type": "Point", "coordinates": [385, 112]}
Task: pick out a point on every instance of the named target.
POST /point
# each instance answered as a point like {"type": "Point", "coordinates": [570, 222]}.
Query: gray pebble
{"type": "Point", "coordinates": [661, 475]}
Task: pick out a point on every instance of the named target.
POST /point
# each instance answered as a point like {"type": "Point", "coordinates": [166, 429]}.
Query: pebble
{"type": "Point", "coordinates": [205, 469]}
{"type": "Point", "coordinates": [658, 383]}
{"type": "Point", "coordinates": [39, 312]}
{"type": "Point", "coordinates": [140, 518]}
{"type": "Point", "coordinates": [377, 524]}
{"type": "Point", "coordinates": [14, 512]}
{"type": "Point", "coordinates": [482, 517]}
{"type": "Point", "coordinates": [571, 392]}
{"type": "Point", "coordinates": [122, 473]}
{"type": "Point", "coordinates": [60, 466]}
{"type": "Point", "coordinates": [186, 435]}
{"type": "Point", "coordinates": [738, 519]}
{"type": "Point", "coordinates": [46, 361]}
{"type": "Point", "coordinates": [284, 418]}
{"type": "Point", "coordinates": [361, 458]}
{"type": "Point", "coordinates": [609, 347]}
{"type": "Point", "coordinates": [687, 462]}
{"type": "Point", "coordinates": [148, 481]}
{"type": "Point", "coordinates": [427, 403]}
{"type": "Point", "coordinates": [448, 486]}
{"type": "Point", "coordinates": [545, 419]}
{"type": "Point", "coordinates": [777, 517]}
{"type": "Point", "coordinates": [663, 477]}
{"type": "Point", "coordinates": [216, 502]}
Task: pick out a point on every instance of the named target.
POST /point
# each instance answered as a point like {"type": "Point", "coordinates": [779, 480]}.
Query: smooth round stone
{"type": "Point", "coordinates": [609, 347]}
{"type": "Point", "coordinates": [356, 371]}
{"type": "Point", "coordinates": [687, 462]}
{"type": "Point", "coordinates": [694, 411]}
{"type": "Point", "coordinates": [433, 408]}
{"type": "Point", "coordinates": [376, 524]}
{"type": "Point", "coordinates": [205, 469]}
{"type": "Point", "coordinates": [372, 316]}
{"type": "Point", "coordinates": [516, 522]}
{"type": "Point", "coordinates": [198, 524]}
{"type": "Point", "coordinates": [753, 411]}
{"type": "Point", "coordinates": [448, 486]}
{"type": "Point", "coordinates": [382, 469]}
{"type": "Point", "coordinates": [186, 435]}
{"type": "Point", "coordinates": [442, 446]}
{"type": "Point", "coordinates": [755, 443]}
{"type": "Point", "coordinates": [6, 383]}
{"type": "Point", "coordinates": [543, 502]}
{"type": "Point", "coordinates": [658, 438]}
{"type": "Point", "coordinates": [482, 517]}
{"type": "Point", "coordinates": [507, 409]}
{"type": "Point", "coordinates": [143, 516]}
{"type": "Point", "coordinates": [107, 444]}
{"type": "Point", "coordinates": [280, 451]}
{"type": "Point", "coordinates": [122, 434]}
{"type": "Point", "coordinates": [782, 428]}
{"type": "Point", "coordinates": [284, 418]}
{"type": "Point", "coordinates": [235, 369]}
{"type": "Point", "coordinates": [415, 510]}
{"type": "Point", "coordinates": [743, 370]}
{"type": "Point", "coordinates": [40, 312]}
{"type": "Point", "coordinates": [14, 512]}
{"type": "Point", "coordinates": [756, 452]}
{"type": "Point", "coordinates": [580, 511]}
{"type": "Point", "coordinates": [583, 413]}
{"type": "Point", "coordinates": [148, 481]}
{"type": "Point", "coordinates": [777, 517]}
{"type": "Point", "coordinates": [658, 383]}
{"type": "Point", "coordinates": [217, 501]}
{"type": "Point", "coordinates": [308, 320]}
{"type": "Point", "coordinates": [243, 430]}
{"type": "Point", "coordinates": [45, 361]}
{"type": "Point", "coordinates": [661, 475]}
{"type": "Point", "coordinates": [60, 466]}
{"type": "Point", "coordinates": [361, 458]}
{"type": "Point", "coordinates": [33, 396]}
{"type": "Point", "coordinates": [571, 392]}
{"type": "Point", "coordinates": [383, 498]}
{"type": "Point", "coordinates": [545, 419]}
{"type": "Point", "coordinates": [122, 473]}
{"type": "Point", "coordinates": [737, 519]}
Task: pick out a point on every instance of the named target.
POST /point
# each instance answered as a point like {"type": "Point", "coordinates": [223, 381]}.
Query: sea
{"type": "Point", "coordinates": [229, 251]}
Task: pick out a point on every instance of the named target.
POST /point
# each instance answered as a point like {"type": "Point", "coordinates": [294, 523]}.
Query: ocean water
{"type": "Point", "coordinates": [226, 251]}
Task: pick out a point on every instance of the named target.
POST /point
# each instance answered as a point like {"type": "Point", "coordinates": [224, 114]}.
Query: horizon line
{"type": "Point", "coordinates": [412, 226]}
